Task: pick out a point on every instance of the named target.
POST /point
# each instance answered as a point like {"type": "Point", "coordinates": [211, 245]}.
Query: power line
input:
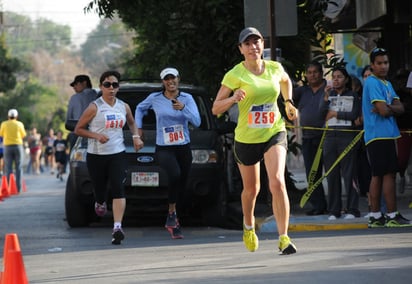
{"type": "Point", "coordinates": [65, 38]}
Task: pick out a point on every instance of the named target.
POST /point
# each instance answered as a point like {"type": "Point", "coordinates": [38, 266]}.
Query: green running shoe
{"type": "Point", "coordinates": [397, 221]}
{"type": "Point", "coordinates": [286, 246]}
{"type": "Point", "coordinates": [376, 222]}
{"type": "Point", "coordinates": [250, 239]}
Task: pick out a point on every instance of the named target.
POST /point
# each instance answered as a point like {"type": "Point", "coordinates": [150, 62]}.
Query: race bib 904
{"type": "Point", "coordinates": [173, 134]}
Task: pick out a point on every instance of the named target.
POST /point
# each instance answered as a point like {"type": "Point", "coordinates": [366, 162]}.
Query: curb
{"type": "Point", "coordinates": [325, 227]}
{"type": "Point", "coordinates": [268, 225]}
{"type": "Point", "coordinates": [316, 223]}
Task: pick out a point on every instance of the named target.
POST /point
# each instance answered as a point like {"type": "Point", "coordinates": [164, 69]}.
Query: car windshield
{"type": "Point", "coordinates": [133, 96]}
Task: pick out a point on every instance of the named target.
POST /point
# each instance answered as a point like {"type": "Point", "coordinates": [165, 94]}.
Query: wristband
{"type": "Point", "coordinates": [136, 136]}
{"type": "Point", "coordinates": [289, 101]}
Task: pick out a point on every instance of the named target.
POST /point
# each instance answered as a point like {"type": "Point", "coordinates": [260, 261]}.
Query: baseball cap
{"type": "Point", "coordinates": [13, 113]}
{"type": "Point", "coordinates": [169, 71]}
{"type": "Point", "coordinates": [247, 32]}
{"type": "Point", "coordinates": [80, 78]}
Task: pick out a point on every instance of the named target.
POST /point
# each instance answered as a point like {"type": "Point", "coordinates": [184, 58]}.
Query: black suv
{"type": "Point", "coordinates": [207, 190]}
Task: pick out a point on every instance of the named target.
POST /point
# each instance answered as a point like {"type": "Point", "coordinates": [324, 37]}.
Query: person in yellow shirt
{"type": "Point", "coordinates": [13, 133]}
{"type": "Point", "coordinates": [255, 85]}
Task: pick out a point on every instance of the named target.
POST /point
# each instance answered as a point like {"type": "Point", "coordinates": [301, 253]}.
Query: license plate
{"type": "Point", "coordinates": [145, 179]}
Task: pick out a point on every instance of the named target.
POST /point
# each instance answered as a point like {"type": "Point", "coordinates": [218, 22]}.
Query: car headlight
{"type": "Point", "coordinates": [204, 156]}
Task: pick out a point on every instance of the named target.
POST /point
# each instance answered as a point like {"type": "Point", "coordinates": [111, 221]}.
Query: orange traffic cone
{"type": "Point", "coordinates": [4, 186]}
{"type": "Point", "coordinates": [14, 271]}
{"type": "Point", "coordinates": [12, 185]}
{"type": "Point", "coordinates": [11, 242]}
{"type": "Point", "coordinates": [23, 185]}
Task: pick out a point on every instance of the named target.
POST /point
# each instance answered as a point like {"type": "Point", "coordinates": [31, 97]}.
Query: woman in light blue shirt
{"type": "Point", "coordinates": [174, 110]}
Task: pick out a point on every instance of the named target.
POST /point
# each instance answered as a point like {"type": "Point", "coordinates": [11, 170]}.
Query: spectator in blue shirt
{"type": "Point", "coordinates": [380, 105]}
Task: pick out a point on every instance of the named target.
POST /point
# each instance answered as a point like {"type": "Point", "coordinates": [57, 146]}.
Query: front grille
{"type": "Point", "coordinates": [132, 159]}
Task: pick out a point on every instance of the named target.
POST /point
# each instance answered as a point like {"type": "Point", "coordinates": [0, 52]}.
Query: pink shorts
{"type": "Point", "coordinates": [34, 150]}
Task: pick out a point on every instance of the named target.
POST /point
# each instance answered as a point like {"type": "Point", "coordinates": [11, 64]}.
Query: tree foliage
{"type": "Point", "coordinates": [25, 35]}
{"type": "Point", "coordinates": [197, 37]}
{"type": "Point", "coordinates": [37, 105]}
{"type": "Point", "coordinates": [9, 66]}
{"type": "Point", "coordinates": [200, 37]}
{"type": "Point", "coordinates": [38, 83]}
{"type": "Point", "coordinates": [316, 29]}
{"type": "Point", "coordinates": [107, 46]}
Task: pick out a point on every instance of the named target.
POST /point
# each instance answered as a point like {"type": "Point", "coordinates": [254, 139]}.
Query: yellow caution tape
{"type": "Point", "coordinates": [335, 129]}
{"type": "Point", "coordinates": [316, 160]}
{"type": "Point", "coordinates": [310, 189]}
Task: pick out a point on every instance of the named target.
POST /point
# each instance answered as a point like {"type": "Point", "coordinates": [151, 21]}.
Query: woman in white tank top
{"type": "Point", "coordinates": [102, 123]}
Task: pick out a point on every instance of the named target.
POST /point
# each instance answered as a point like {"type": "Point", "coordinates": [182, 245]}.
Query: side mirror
{"type": "Point", "coordinates": [224, 127]}
{"type": "Point", "coordinates": [70, 124]}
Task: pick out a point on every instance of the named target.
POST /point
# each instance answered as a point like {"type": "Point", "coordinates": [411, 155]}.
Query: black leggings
{"type": "Point", "coordinates": [104, 170]}
{"type": "Point", "coordinates": [176, 161]}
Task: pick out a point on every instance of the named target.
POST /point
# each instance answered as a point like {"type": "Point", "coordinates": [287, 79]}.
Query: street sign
{"type": "Point", "coordinates": [257, 15]}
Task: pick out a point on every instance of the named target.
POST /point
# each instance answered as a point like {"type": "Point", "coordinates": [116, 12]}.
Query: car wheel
{"type": "Point", "coordinates": [214, 212]}
{"type": "Point", "coordinates": [77, 212]}
{"type": "Point", "coordinates": [220, 213]}
{"type": "Point", "coordinates": [234, 215]}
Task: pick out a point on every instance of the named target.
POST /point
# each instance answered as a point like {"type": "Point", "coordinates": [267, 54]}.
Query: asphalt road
{"type": "Point", "coordinates": [54, 253]}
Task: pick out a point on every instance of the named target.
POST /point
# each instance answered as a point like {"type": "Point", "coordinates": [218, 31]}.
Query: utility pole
{"type": "Point", "coordinates": [272, 29]}
{"type": "Point", "coordinates": [273, 18]}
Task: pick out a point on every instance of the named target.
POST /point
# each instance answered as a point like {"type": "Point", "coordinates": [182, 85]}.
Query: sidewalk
{"type": "Point", "coordinates": [299, 221]}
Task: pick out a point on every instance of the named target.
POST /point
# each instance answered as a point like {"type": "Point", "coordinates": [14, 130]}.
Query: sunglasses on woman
{"type": "Point", "coordinates": [108, 84]}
